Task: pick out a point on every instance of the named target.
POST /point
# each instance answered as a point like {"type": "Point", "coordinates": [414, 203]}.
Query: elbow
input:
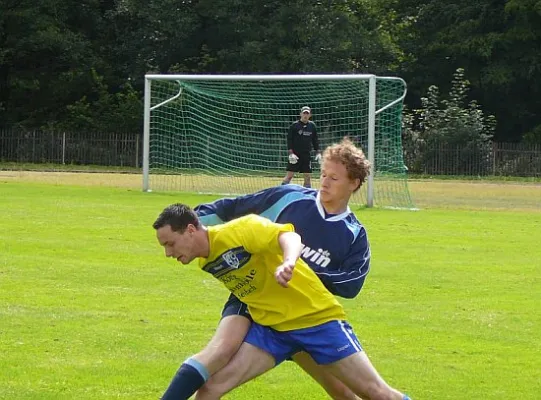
{"type": "Point", "coordinates": [349, 294]}
{"type": "Point", "coordinates": [351, 289]}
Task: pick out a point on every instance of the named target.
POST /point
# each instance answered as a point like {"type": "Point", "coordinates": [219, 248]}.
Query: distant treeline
{"type": "Point", "coordinates": [79, 65]}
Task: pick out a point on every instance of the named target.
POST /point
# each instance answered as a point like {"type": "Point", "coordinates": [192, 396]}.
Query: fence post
{"type": "Point", "coordinates": [494, 150]}
{"type": "Point", "coordinates": [137, 151]}
{"type": "Point", "coordinates": [63, 148]}
{"type": "Point", "coordinates": [33, 146]}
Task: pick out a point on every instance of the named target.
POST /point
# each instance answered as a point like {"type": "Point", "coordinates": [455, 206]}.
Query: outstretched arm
{"type": "Point", "coordinates": [224, 210]}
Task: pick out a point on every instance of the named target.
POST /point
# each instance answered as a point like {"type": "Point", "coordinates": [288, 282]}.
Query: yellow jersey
{"type": "Point", "coordinates": [244, 254]}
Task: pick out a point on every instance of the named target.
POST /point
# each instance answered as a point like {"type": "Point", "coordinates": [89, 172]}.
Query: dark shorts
{"type": "Point", "coordinates": [304, 164]}
{"type": "Point", "coordinates": [233, 306]}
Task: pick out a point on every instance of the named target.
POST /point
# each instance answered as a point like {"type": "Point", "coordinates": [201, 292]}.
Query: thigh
{"type": "Point", "coordinates": [358, 373]}
{"type": "Point", "coordinates": [292, 167]}
{"type": "Point", "coordinates": [305, 163]}
{"type": "Point", "coordinates": [332, 385]}
{"type": "Point", "coordinates": [228, 338]}
{"type": "Point", "coordinates": [248, 363]}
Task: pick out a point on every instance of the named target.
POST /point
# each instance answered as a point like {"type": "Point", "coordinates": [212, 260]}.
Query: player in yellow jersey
{"type": "Point", "coordinates": [258, 261]}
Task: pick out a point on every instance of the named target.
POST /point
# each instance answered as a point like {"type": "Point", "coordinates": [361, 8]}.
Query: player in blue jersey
{"type": "Point", "coordinates": [259, 261]}
{"type": "Point", "coordinates": [336, 248]}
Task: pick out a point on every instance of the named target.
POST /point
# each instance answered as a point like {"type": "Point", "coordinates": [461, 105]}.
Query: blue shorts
{"type": "Point", "coordinates": [326, 343]}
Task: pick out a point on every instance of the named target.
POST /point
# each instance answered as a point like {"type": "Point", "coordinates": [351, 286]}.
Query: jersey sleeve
{"type": "Point", "coordinates": [258, 234]}
{"type": "Point", "coordinates": [315, 139]}
{"type": "Point", "coordinates": [224, 210]}
{"type": "Point", "coordinates": [348, 280]}
{"type": "Point", "coordinates": [290, 134]}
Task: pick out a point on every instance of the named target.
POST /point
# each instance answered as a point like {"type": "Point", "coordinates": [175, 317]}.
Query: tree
{"type": "Point", "coordinates": [49, 58]}
{"type": "Point", "coordinates": [449, 123]}
{"type": "Point", "coordinates": [497, 41]}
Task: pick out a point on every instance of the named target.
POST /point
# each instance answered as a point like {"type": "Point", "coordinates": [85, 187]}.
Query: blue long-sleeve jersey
{"type": "Point", "coordinates": [335, 246]}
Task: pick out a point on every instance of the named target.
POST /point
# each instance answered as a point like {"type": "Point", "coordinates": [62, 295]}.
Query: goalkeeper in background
{"type": "Point", "coordinates": [301, 137]}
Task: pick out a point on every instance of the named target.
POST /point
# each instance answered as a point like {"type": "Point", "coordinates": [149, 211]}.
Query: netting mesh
{"type": "Point", "coordinates": [230, 137]}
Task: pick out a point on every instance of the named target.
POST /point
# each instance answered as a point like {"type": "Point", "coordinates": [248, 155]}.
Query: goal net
{"type": "Point", "coordinates": [227, 134]}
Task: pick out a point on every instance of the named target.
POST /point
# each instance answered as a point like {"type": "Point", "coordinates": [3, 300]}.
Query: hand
{"type": "Point", "coordinates": [293, 158]}
{"type": "Point", "coordinates": [284, 273]}
{"type": "Point", "coordinates": [318, 158]}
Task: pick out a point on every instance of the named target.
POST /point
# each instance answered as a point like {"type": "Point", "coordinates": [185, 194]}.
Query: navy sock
{"type": "Point", "coordinates": [189, 378]}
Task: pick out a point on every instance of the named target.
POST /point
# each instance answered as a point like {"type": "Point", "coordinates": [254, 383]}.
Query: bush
{"type": "Point", "coordinates": [451, 125]}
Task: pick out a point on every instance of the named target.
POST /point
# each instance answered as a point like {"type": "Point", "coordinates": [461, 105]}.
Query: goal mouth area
{"type": "Point", "coordinates": [232, 130]}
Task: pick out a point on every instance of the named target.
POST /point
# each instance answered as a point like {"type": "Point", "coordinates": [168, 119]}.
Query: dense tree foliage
{"type": "Point", "coordinates": [79, 65]}
{"type": "Point", "coordinates": [498, 42]}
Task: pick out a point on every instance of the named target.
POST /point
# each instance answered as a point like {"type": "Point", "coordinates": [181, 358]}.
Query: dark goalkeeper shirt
{"type": "Point", "coordinates": [301, 137]}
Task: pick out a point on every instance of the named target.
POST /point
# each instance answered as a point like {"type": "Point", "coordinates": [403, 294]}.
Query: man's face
{"type": "Point", "coordinates": [335, 182]}
{"type": "Point", "coordinates": [178, 245]}
{"type": "Point", "coordinates": [305, 116]}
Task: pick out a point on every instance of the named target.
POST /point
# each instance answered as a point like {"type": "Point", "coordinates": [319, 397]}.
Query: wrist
{"type": "Point", "coordinates": [290, 262]}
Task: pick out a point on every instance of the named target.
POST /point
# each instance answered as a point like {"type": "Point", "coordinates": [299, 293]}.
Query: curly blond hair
{"type": "Point", "coordinates": [352, 157]}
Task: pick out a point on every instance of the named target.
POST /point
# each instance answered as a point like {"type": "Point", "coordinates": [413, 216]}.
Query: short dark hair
{"type": "Point", "coordinates": [179, 216]}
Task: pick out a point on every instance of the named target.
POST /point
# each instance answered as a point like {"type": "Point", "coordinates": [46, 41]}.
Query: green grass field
{"type": "Point", "coordinates": [91, 309]}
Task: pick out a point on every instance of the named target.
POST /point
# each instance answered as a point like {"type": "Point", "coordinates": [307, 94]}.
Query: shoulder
{"type": "Point", "coordinates": [354, 226]}
{"type": "Point", "coordinates": [276, 193]}
{"type": "Point", "coordinates": [291, 193]}
{"type": "Point", "coordinates": [352, 218]}
{"type": "Point", "coordinates": [237, 228]}
{"type": "Point", "coordinates": [293, 188]}
{"type": "Point", "coordinates": [245, 220]}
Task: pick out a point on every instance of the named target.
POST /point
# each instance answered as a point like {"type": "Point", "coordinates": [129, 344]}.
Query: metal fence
{"type": "Point", "coordinates": [474, 159]}
{"type": "Point", "coordinates": [125, 150]}
{"type": "Point", "coordinates": [80, 148]}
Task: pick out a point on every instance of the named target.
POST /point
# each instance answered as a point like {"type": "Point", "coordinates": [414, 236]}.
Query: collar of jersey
{"type": "Point", "coordinates": [337, 217]}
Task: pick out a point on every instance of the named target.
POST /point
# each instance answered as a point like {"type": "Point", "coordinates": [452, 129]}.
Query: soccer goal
{"type": "Point", "coordinates": [227, 134]}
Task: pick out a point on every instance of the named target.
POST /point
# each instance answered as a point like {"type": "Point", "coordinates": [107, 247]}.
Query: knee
{"type": "Point", "coordinates": [225, 350]}
{"type": "Point", "coordinates": [341, 393]}
{"type": "Point", "coordinates": [216, 355]}
{"type": "Point", "coordinates": [210, 391]}
{"type": "Point", "coordinates": [380, 391]}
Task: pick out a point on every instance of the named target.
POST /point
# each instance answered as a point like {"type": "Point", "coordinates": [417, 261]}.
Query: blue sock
{"type": "Point", "coordinates": [189, 378]}
{"type": "Point", "coordinates": [308, 186]}
{"type": "Point", "coordinates": [406, 397]}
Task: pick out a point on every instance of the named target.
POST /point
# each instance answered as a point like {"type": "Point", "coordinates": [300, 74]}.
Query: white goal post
{"type": "Point", "coordinates": [215, 105]}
